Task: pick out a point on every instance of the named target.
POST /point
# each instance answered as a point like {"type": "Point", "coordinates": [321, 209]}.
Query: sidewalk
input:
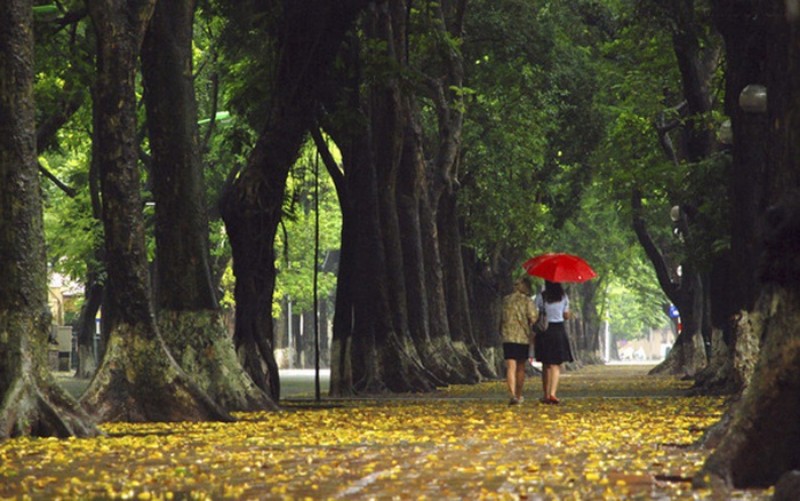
{"type": "Point", "coordinates": [619, 434]}
{"type": "Point", "coordinates": [294, 382]}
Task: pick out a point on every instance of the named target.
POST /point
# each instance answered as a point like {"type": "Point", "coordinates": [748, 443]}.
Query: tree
{"type": "Point", "coordinates": [532, 75]}
{"type": "Point", "coordinates": [64, 55]}
{"type": "Point", "coordinates": [32, 402]}
{"type": "Point", "coordinates": [307, 36]}
{"type": "Point", "coordinates": [372, 332]}
{"type": "Point", "coordinates": [757, 447]}
{"type": "Point", "coordinates": [697, 55]}
{"type": "Point", "coordinates": [398, 183]}
{"type": "Point", "coordinates": [187, 309]}
{"type": "Point", "coordinates": [138, 378]}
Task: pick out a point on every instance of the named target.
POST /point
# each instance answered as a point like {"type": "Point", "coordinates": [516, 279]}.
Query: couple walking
{"type": "Point", "coordinates": [551, 348]}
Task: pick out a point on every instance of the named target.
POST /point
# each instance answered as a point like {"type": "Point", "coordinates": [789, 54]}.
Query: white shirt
{"type": "Point", "coordinates": [554, 311]}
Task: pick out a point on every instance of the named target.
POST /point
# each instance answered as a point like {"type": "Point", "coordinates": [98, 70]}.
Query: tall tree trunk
{"type": "Point", "coordinates": [687, 356]}
{"type": "Point", "coordinates": [696, 55]}
{"type": "Point", "coordinates": [586, 331]}
{"type": "Point", "coordinates": [735, 291]}
{"type": "Point", "coordinates": [759, 445]}
{"type": "Point", "coordinates": [485, 288]}
{"type": "Point", "coordinates": [87, 325]}
{"type": "Point", "coordinates": [422, 265]}
{"type": "Point", "coordinates": [250, 207]}
{"type": "Point", "coordinates": [376, 335]}
{"type": "Point", "coordinates": [310, 35]}
{"type": "Point", "coordinates": [138, 378]}
{"type": "Point", "coordinates": [459, 320]}
{"type": "Point", "coordinates": [90, 353]}
{"type": "Point", "coordinates": [187, 310]}
{"type": "Point", "coordinates": [443, 172]}
{"type": "Point", "coordinates": [342, 382]}
{"type": "Point", "coordinates": [32, 401]}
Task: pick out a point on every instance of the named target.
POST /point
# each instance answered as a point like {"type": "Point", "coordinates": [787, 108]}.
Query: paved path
{"type": "Point", "coordinates": [295, 383]}
{"type": "Point", "coordinates": [619, 434]}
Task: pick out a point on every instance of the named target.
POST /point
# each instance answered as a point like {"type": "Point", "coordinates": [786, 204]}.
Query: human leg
{"type": "Point", "coordinates": [555, 373]}
{"type": "Point", "coordinates": [545, 381]}
{"type": "Point", "coordinates": [511, 377]}
{"type": "Point", "coordinates": [520, 379]}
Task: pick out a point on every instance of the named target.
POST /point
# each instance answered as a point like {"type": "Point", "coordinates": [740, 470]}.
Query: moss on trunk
{"type": "Point", "coordinates": [33, 402]}
{"type": "Point", "coordinates": [761, 442]}
{"type": "Point", "coordinates": [140, 381]}
{"type": "Point", "coordinates": [201, 346]}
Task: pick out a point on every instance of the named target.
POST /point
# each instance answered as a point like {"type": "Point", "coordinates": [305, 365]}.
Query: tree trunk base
{"type": "Point", "coordinates": [341, 369]}
{"type": "Point", "coordinates": [140, 381]}
{"type": "Point", "coordinates": [685, 359]}
{"type": "Point", "coordinates": [33, 404]}
{"type": "Point", "coordinates": [39, 407]}
{"type": "Point", "coordinates": [761, 442]}
{"type": "Point", "coordinates": [449, 365]}
{"type": "Point", "coordinates": [199, 343]}
{"type": "Point", "coordinates": [407, 373]}
{"type": "Point", "coordinates": [731, 369]}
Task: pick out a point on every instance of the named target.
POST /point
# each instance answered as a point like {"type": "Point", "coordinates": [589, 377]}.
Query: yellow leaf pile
{"type": "Point", "coordinates": [618, 435]}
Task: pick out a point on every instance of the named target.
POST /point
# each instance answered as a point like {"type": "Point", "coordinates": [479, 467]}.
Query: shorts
{"type": "Point", "coordinates": [515, 351]}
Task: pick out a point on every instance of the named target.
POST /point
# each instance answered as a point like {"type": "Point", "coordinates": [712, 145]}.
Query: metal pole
{"type": "Point", "coordinates": [317, 392]}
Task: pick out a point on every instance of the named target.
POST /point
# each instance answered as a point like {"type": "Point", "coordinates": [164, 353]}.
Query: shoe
{"type": "Point", "coordinates": [520, 400]}
{"type": "Point", "coordinates": [544, 400]}
{"type": "Point", "coordinates": [513, 401]}
{"type": "Point", "coordinates": [553, 400]}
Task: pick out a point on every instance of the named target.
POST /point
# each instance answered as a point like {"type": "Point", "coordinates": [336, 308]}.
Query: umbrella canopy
{"type": "Point", "coordinates": [559, 267]}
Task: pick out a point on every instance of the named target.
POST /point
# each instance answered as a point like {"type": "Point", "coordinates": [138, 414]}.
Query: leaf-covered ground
{"type": "Point", "coordinates": [619, 434]}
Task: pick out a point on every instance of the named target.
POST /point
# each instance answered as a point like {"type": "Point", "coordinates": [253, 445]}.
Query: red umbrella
{"type": "Point", "coordinates": [559, 267]}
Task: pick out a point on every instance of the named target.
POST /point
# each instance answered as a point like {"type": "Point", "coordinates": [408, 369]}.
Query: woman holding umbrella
{"type": "Point", "coordinates": [551, 348]}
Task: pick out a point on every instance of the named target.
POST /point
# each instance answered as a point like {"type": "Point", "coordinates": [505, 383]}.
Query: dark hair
{"type": "Point", "coordinates": [553, 292]}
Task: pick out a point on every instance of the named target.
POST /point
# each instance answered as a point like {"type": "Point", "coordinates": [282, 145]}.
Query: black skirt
{"type": "Point", "coordinates": [515, 351]}
{"type": "Point", "coordinates": [552, 347]}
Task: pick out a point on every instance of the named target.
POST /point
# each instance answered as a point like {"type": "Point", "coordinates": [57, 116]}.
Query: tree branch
{"type": "Point", "coordinates": [669, 287]}
{"type": "Point", "coordinates": [70, 192]}
{"type": "Point", "coordinates": [327, 158]}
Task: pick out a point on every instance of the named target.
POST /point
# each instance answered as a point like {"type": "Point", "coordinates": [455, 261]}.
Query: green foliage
{"type": "Point", "coordinates": [295, 245]}
{"type": "Point", "coordinates": [636, 306]}
{"type": "Point", "coordinates": [560, 97]}
{"type": "Point", "coordinates": [71, 231]}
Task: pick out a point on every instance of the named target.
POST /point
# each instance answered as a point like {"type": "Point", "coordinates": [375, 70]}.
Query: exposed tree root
{"type": "Point", "coordinates": [140, 381]}
{"type": "Point", "coordinates": [33, 404]}
{"type": "Point", "coordinates": [39, 407]}
{"type": "Point", "coordinates": [685, 359]}
{"type": "Point", "coordinates": [203, 349]}
{"type": "Point", "coordinates": [761, 442]}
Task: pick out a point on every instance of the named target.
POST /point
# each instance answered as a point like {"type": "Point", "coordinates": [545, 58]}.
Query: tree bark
{"type": "Point", "coordinates": [310, 35]}
{"type": "Point", "coordinates": [187, 308]}
{"type": "Point", "coordinates": [687, 355]}
{"type": "Point", "coordinates": [138, 379]}
{"type": "Point", "coordinates": [32, 402]}
{"type": "Point", "coordinates": [87, 326]}
{"type": "Point", "coordinates": [759, 444]}
{"type": "Point", "coordinates": [422, 265]}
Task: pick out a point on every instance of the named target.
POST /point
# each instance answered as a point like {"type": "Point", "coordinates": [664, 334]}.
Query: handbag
{"type": "Point", "coordinates": [540, 326]}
